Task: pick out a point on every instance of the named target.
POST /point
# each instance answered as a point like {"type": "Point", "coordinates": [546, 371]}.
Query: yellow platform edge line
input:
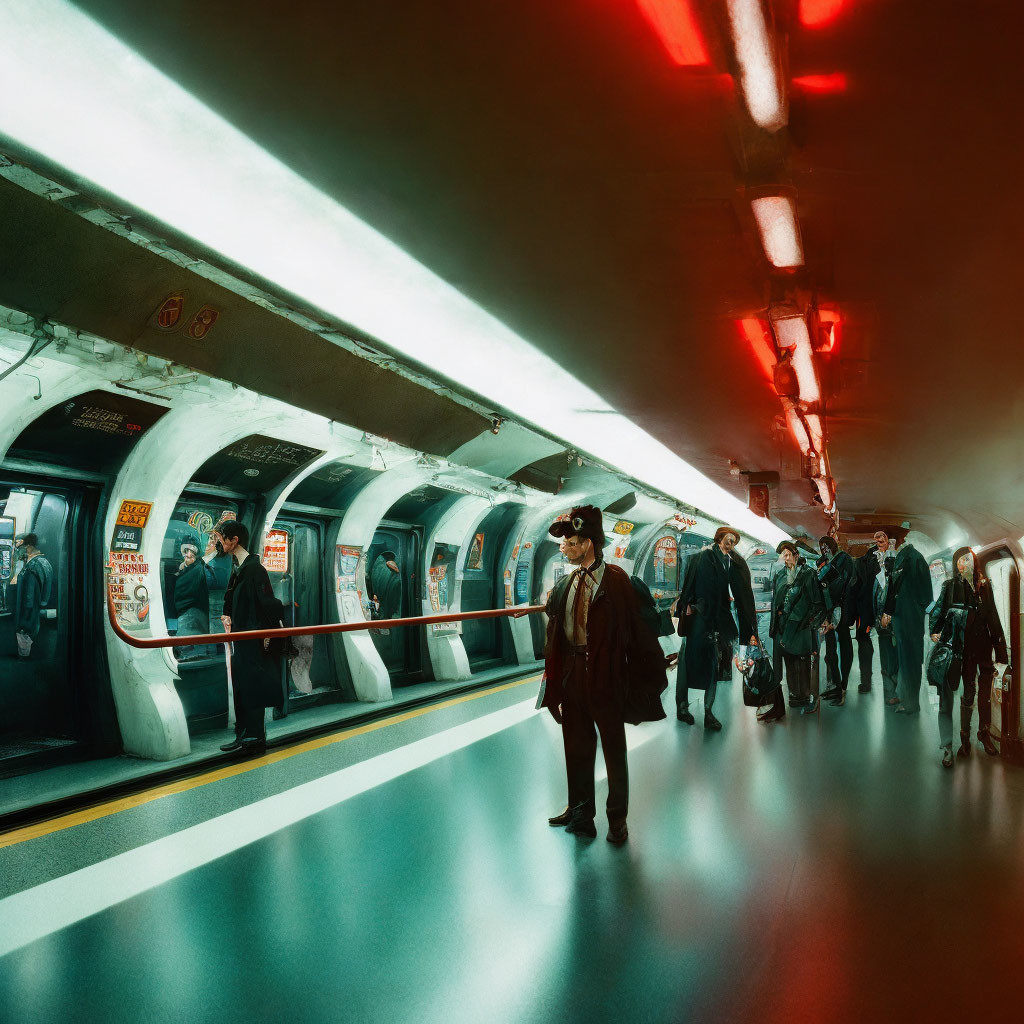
{"type": "Point", "coordinates": [66, 821]}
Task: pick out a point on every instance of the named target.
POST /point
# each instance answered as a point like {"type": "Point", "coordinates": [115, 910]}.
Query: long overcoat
{"type": "Point", "coordinates": [797, 611]}
{"type": "Point", "coordinates": [250, 601]}
{"type": "Point", "coordinates": [910, 593]}
{"type": "Point", "coordinates": [706, 590]}
{"type": "Point", "coordinates": [626, 663]}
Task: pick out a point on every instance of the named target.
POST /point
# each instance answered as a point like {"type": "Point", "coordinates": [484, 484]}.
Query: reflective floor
{"type": "Point", "coordinates": [820, 869]}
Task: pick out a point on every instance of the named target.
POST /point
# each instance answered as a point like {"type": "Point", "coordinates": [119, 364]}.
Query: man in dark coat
{"type": "Point", "coordinates": [909, 595]}
{"type": "Point", "coordinates": [836, 573]}
{"type": "Point", "coordinates": [706, 621]}
{"type": "Point", "coordinates": [867, 567]}
{"type": "Point", "coordinates": [249, 603]}
{"type": "Point", "coordinates": [34, 582]}
{"type": "Point", "coordinates": [603, 666]}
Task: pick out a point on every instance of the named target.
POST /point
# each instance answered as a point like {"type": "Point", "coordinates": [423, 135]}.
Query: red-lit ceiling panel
{"type": "Point", "coordinates": [835, 82]}
{"type": "Point", "coordinates": [677, 27]}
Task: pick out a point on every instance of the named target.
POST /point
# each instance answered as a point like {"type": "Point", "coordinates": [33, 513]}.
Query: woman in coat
{"type": "Point", "coordinates": [965, 615]}
{"type": "Point", "coordinates": [191, 598]}
{"type": "Point", "coordinates": [797, 612]}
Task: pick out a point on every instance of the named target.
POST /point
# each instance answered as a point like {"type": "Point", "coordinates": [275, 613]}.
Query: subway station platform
{"type": "Point", "coordinates": [824, 868]}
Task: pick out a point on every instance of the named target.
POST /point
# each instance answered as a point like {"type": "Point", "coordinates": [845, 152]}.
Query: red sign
{"type": "Point", "coordinates": [275, 551]}
{"type": "Point", "coordinates": [169, 313]}
{"type": "Point", "coordinates": [202, 323]}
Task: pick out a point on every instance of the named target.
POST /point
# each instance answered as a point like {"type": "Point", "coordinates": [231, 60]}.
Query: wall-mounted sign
{"type": "Point", "coordinates": [134, 513]}
{"type": "Point", "coordinates": [127, 538]}
{"type": "Point", "coordinates": [683, 523]}
{"type": "Point", "coordinates": [623, 526]}
{"type": "Point", "coordinates": [508, 588]}
{"type": "Point", "coordinates": [665, 560]}
{"type": "Point", "coordinates": [202, 323]}
{"type": "Point", "coordinates": [275, 551]}
{"type": "Point", "coordinates": [346, 563]}
{"type": "Point", "coordinates": [8, 533]}
{"type": "Point", "coordinates": [169, 312]}
{"type": "Point", "coordinates": [127, 583]}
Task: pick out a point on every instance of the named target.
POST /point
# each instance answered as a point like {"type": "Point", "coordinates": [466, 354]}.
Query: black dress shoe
{"type": "Point", "coordinates": [253, 745]}
{"type": "Point", "coordinates": [617, 833]}
{"type": "Point", "coordinates": [988, 743]}
{"type": "Point", "coordinates": [712, 723]}
{"type": "Point", "coordinates": [812, 705]}
{"type": "Point", "coordinates": [864, 688]}
{"type": "Point", "coordinates": [580, 826]}
{"type": "Point", "coordinates": [831, 693]}
{"type": "Point", "coordinates": [235, 744]}
{"type": "Point", "coordinates": [773, 714]}
{"type": "Point", "coordinates": [561, 819]}
{"type": "Point", "coordinates": [684, 716]}
{"type": "Point", "coordinates": [838, 701]}
{"type": "Point", "coordinates": [965, 745]}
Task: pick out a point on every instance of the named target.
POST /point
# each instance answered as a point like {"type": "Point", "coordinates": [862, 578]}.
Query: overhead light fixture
{"type": "Point", "coordinates": [825, 490]}
{"type": "Point", "coordinates": [756, 334]}
{"type": "Point", "coordinates": [815, 13]}
{"type": "Point", "coordinates": [798, 430]}
{"type": "Point", "coordinates": [755, 54]}
{"type": "Point", "coordinates": [813, 421]}
{"type": "Point", "coordinates": [822, 84]}
{"type": "Point", "coordinates": [780, 232]}
{"type": "Point", "coordinates": [92, 113]}
{"type": "Point", "coordinates": [676, 25]}
{"type": "Point", "coordinates": [791, 332]}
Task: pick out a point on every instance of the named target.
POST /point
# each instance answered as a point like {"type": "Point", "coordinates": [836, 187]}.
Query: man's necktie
{"type": "Point", "coordinates": [581, 604]}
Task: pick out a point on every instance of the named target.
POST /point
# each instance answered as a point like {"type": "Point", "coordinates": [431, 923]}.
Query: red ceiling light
{"type": "Point", "coordinates": [815, 13]}
{"type": "Point", "coordinates": [780, 230]}
{"type": "Point", "coordinates": [756, 334]}
{"type": "Point", "coordinates": [835, 82]}
{"type": "Point", "coordinates": [830, 327]}
{"type": "Point", "coordinates": [677, 27]}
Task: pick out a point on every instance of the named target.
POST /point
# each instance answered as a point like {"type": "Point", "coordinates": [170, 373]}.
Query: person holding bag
{"type": "Point", "coordinates": [965, 618]}
{"type": "Point", "coordinates": [797, 612]}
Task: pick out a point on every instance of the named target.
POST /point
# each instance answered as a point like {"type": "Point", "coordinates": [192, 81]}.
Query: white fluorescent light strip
{"type": "Point", "coordinates": [814, 427]}
{"type": "Point", "coordinates": [824, 492]}
{"type": "Point", "coordinates": [792, 332]}
{"type": "Point", "coordinates": [798, 430]}
{"type": "Point", "coordinates": [780, 236]}
{"type": "Point", "coordinates": [755, 54]}
{"type": "Point", "coordinates": [112, 118]}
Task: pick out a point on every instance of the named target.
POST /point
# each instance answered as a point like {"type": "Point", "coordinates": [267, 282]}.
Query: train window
{"type": "Point", "coordinates": [194, 589]}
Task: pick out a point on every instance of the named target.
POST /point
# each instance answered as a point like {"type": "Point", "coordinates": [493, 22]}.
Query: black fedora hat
{"type": "Point", "coordinates": [581, 521]}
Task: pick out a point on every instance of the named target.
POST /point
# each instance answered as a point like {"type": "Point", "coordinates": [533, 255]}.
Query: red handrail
{"type": "Point", "coordinates": [145, 643]}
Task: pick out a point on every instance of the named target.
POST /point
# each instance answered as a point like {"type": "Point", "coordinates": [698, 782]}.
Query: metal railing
{"type": "Point", "coordinates": [146, 643]}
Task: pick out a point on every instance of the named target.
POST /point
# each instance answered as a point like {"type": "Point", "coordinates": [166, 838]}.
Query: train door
{"type": "Point", "coordinates": [393, 592]}
{"type": "Point", "coordinates": [1001, 569]}
{"type": "Point", "coordinates": [482, 589]}
{"type": "Point", "coordinates": [43, 684]}
{"type": "Point", "coordinates": [293, 555]}
{"type": "Point", "coordinates": [194, 602]}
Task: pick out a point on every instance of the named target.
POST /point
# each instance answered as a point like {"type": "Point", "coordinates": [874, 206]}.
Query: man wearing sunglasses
{"type": "Point", "coordinates": [603, 667]}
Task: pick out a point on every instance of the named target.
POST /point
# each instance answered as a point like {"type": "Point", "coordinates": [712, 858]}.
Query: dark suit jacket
{"type": "Point", "coordinates": [626, 663]}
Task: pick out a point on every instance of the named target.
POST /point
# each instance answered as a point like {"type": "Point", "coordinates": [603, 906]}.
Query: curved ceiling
{"type": "Point", "coordinates": [552, 162]}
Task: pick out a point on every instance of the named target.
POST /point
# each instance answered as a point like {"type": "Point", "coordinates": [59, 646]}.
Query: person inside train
{"type": "Point", "coordinates": [706, 620]}
{"type": "Point", "coordinates": [191, 597]}
{"type": "Point", "coordinates": [965, 615]}
{"type": "Point", "coordinates": [868, 567]}
{"type": "Point", "coordinates": [33, 583]}
{"type": "Point", "coordinates": [797, 612]}
{"type": "Point", "coordinates": [836, 576]}
{"type": "Point", "coordinates": [603, 667]}
{"type": "Point", "coordinates": [386, 583]}
{"type": "Point", "coordinates": [249, 603]}
{"type": "Point", "coordinates": [907, 600]}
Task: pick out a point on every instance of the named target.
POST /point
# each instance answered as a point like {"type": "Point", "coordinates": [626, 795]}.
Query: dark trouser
{"type": "Point", "coordinates": [704, 669]}
{"type": "Point", "coordinates": [980, 665]}
{"type": "Point", "coordinates": [580, 715]}
{"type": "Point", "coordinates": [798, 675]}
{"type": "Point", "coordinates": [910, 653]}
{"type": "Point", "coordinates": [889, 658]}
{"type": "Point", "coordinates": [865, 654]}
{"type": "Point", "coordinates": [250, 723]}
{"type": "Point", "coordinates": [838, 642]}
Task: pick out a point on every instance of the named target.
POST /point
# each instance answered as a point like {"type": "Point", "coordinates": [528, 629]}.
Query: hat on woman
{"type": "Point", "coordinates": [188, 544]}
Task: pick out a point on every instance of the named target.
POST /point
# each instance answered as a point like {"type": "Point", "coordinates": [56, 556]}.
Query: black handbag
{"type": "Point", "coordinates": [941, 664]}
{"type": "Point", "coordinates": [759, 682]}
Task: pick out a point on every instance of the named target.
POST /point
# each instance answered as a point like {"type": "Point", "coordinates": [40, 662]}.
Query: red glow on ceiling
{"type": "Point", "coordinates": [831, 327]}
{"type": "Point", "coordinates": [677, 27]}
{"type": "Point", "coordinates": [815, 13]}
{"type": "Point", "coordinates": [835, 82]}
{"type": "Point", "coordinates": [756, 333]}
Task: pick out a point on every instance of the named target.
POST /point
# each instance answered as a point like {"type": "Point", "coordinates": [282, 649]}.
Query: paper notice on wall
{"type": "Point", "coordinates": [127, 581]}
{"type": "Point", "coordinates": [275, 551]}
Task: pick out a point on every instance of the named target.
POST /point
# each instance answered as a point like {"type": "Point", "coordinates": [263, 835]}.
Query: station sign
{"type": "Point", "coordinates": [134, 513]}
{"type": "Point", "coordinates": [275, 551]}
{"type": "Point", "coordinates": [623, 527]}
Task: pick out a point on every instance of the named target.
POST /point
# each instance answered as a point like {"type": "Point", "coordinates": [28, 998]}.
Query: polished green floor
{"type": "Point", "coordinates": [820, 869]}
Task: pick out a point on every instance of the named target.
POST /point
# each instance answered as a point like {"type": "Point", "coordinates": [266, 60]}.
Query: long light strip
{"type": "Point", "coordinates": [791, 332]}
{"type": "Point", "coordinates": [780, 233]}
{"type": "Point", "coordinates": [677, 28]}
{"type": "Point", "coordinates": [756, 56]}
{"type": "Point", "coordinates": [813, 421]}
{"type": "Point", "coordinates": [798, 430]}
{"type": "Point", "coordinates": [93, 111]}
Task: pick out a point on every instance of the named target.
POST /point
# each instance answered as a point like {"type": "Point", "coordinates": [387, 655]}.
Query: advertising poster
{"type": "Point", "coordinates": [134, 513]}
{"type": "Point", "coordinates": [441, 586]}
{"type": "Point", "coordinates": [127, 582]}
{"type": "Point", "coordinates": [508, 588]}
{"type": "Point", "coordinates": [346, 564]}
{"type": "Point", "coordinates": [476, 552]}
{"type": "Point", "coordinates": [275, 551]}
{"type": "Point", "coordinates": [8, 532]}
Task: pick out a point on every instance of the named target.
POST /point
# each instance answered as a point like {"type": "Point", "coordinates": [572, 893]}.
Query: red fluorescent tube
{"type": "Point", "coordinates": [815, 13]}
{"type": "Point", "coordinates": [835, 82]}
{"type": "Point", "coordinates": [676, 25]}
